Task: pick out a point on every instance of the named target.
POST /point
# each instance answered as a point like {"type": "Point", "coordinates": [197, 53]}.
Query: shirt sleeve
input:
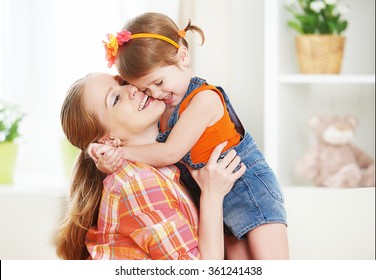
{"type": "Point", "coordinates": [152, 218]}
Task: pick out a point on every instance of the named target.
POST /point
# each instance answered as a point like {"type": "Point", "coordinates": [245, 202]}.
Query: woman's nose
{"type": "Point", "coordinates": [132, 91]}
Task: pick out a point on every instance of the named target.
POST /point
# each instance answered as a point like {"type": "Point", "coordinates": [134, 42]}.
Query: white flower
{"type": "Point", "coordinates": [317, 6]}
{"type": "Point", "coordinates": [341, 9]}
{"type": "Point", "coordinates": [330, 2]}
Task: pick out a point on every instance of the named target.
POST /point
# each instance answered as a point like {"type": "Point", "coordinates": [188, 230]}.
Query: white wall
{"type": "Point", "coordinates": [232, 55]}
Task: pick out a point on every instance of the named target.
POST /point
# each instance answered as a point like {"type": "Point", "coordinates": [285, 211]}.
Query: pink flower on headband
{"type": "Point", "coordinates": [113, 44]}
{"type": "Point", "coordinates": [123, 36]}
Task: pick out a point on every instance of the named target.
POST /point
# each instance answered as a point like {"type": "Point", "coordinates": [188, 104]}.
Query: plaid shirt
{"type": "Point", "coordinates": [144, 214]}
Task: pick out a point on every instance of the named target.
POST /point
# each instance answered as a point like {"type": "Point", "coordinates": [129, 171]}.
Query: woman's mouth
{"type": "Point", "coordinates": [144, 103]}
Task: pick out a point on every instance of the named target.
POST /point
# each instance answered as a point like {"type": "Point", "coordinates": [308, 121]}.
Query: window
{"type": "Point", "coordinates": [44, 47]}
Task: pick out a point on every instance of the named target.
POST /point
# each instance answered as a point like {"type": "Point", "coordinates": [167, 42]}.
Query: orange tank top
{"type": "Point", "coordinates": [222, 130]}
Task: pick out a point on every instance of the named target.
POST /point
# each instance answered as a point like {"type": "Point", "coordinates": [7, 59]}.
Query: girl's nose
{"type": "Point", "coordinates": [155, 93]}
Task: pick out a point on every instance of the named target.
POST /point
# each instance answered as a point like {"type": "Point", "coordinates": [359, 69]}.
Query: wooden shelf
{"type": "Point", "coordinates": [326, 79]}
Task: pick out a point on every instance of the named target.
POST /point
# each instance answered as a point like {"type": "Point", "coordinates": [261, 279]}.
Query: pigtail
{"type": "Point", "coordinates": [192, 28]}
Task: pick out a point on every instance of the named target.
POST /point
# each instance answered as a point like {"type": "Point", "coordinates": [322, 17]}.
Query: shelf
{"type": "Point", "coordinates": [326, 79]}
{"type": "Point", "coordinates": [290, 96]}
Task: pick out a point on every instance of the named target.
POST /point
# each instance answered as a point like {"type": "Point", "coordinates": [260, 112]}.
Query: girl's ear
{"type": "Point", "coordinates": [109, 140]}
{"type": "Point", "coordinates": [184, 58]}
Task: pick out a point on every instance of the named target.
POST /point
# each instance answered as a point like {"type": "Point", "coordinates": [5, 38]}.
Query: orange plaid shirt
{"type": "Point", "coordinates": [144, 214]}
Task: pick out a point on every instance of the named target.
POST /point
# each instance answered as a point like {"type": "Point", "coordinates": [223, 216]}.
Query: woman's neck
{"type": "Point", "coordinates": [148, 136]}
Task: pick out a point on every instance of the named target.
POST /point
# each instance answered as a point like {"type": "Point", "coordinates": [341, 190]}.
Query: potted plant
{"type": "Point", "coordinates": [320, 45]}
{"type": "Point", "coordinates": [10, 118]}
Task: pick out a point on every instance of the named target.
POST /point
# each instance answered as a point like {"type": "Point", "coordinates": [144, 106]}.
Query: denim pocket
{"type": "Point", "coordinates": [267, 177]}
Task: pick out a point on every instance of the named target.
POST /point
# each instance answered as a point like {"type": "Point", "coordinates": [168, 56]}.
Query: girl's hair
{"type": "Point", "coordinates": [81, 128]}
{"type": "Point", "coordinates": [138, 57]}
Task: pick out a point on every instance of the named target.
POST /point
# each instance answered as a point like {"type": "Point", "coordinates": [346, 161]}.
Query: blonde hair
{"type": "Point", "coordinates": [138, 57]}
{"type": "Point", "coordinates": [81, 127]}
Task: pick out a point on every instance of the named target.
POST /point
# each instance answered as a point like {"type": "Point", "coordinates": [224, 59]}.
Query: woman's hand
{"type": "Point", "coordinates": [106, 157]}
{"type": "Point", "coordinates": [218, 177]}
{"type": "Point", "coordinates": [215, 180]}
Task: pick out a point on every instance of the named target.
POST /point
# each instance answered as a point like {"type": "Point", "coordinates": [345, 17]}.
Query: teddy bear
{"type": "Point", "coordinates": [334, 161]}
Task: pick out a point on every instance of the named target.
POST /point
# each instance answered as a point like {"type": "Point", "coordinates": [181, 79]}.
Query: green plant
{"type": "Point", "coordinates": [10, 118]}
{"type": "Point", "coordinates": [317, 16]}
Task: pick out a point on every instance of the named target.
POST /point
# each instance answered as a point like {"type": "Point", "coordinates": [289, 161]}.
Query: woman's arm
{"type": "Point", "coordinates": [215, 180]}
{"type": "Point", "coordinates": [204, 110]}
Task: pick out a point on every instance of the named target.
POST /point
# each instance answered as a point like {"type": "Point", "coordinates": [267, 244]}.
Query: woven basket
{"type": "Point", "coordinates": [320, 54]}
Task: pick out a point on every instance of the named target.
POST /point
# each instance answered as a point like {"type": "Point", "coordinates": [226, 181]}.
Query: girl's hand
{"type": "Point", "coordinates": [106, 157]}
{"type": "Point", "coordinates": [217, 178]}
{"type": "Point", "coordinates": [92, 151]}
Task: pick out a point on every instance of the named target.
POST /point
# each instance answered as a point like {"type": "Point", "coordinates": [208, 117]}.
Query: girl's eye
{"type": "Point", "coordinates": [160, 83]}
{"type": "Point", "coordinates": [116, 100]}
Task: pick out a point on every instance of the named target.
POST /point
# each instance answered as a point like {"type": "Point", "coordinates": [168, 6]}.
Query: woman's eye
{"type": "Point", "coordinates": [116, 100]}
{"type": "Point", "coordinates": [160, 83]}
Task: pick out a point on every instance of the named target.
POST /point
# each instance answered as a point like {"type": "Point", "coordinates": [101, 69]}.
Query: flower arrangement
{"type": "Point", "coordinates": [10, 118]}
{"type": "Point", "coordinates": [317, 16]}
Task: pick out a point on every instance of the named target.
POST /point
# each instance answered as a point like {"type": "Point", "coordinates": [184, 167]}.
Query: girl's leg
{"type": "Point", "coordinates": [236, 249]}
{"type": "Point", "coordinates": [268, 242]}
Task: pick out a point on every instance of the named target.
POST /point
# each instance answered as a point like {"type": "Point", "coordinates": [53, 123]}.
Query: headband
{"type": "Point", "coordinates": [122, 37]}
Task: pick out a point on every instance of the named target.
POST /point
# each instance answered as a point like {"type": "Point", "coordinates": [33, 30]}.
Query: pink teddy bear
{"type": "Point", "coordinates": [334, 161]}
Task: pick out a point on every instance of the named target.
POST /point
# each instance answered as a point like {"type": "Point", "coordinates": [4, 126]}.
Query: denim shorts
{"type": "Point", "coordinates": [256, 198]}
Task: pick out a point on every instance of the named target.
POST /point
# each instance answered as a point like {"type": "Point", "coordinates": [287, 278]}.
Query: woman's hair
{"type": "Point", "coordinates": [137, 57]}
{"type": "Point", "coordinates": [81, 127]}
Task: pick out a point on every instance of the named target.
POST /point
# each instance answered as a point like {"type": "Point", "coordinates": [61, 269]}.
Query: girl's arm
{"type": "Point", "coordinates": [204, 110]}
{"type": "Point", "coordinates": [215, 181]}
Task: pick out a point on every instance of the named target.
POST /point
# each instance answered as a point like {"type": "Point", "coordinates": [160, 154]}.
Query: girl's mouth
{"type": "Point", "coordinates": [168, 99]}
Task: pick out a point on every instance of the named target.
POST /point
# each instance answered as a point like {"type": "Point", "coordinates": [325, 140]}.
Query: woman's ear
{"type": "Point", "coordinates": [109, 140]}
{"type": "Point", "coordinates": [184, 58]}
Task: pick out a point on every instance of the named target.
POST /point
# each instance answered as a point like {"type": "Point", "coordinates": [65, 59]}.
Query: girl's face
{"type": "Point", "coordinates": [167, 83]}
{"type": "Point", "coordinates": [125, 111]}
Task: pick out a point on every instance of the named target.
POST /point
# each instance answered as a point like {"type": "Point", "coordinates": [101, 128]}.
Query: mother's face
{"type": "Point", "coordinates": [126, 112]}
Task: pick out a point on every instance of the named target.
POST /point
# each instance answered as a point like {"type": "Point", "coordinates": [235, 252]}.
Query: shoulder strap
{"type": "Point", "coordinates": [187, 100]}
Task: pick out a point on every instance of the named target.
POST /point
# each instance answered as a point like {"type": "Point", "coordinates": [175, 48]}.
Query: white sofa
{"type": "Point", "coordinates": [28, 221]}
{"type": "Point", "coordinates": [323, 223]}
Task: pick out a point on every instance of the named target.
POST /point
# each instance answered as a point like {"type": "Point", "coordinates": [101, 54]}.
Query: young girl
{"type": "Point", "coordinates": [152, 54]}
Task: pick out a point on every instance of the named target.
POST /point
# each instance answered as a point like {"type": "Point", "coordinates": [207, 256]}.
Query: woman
{"type": "Point", "coordinates": [138, 212]}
